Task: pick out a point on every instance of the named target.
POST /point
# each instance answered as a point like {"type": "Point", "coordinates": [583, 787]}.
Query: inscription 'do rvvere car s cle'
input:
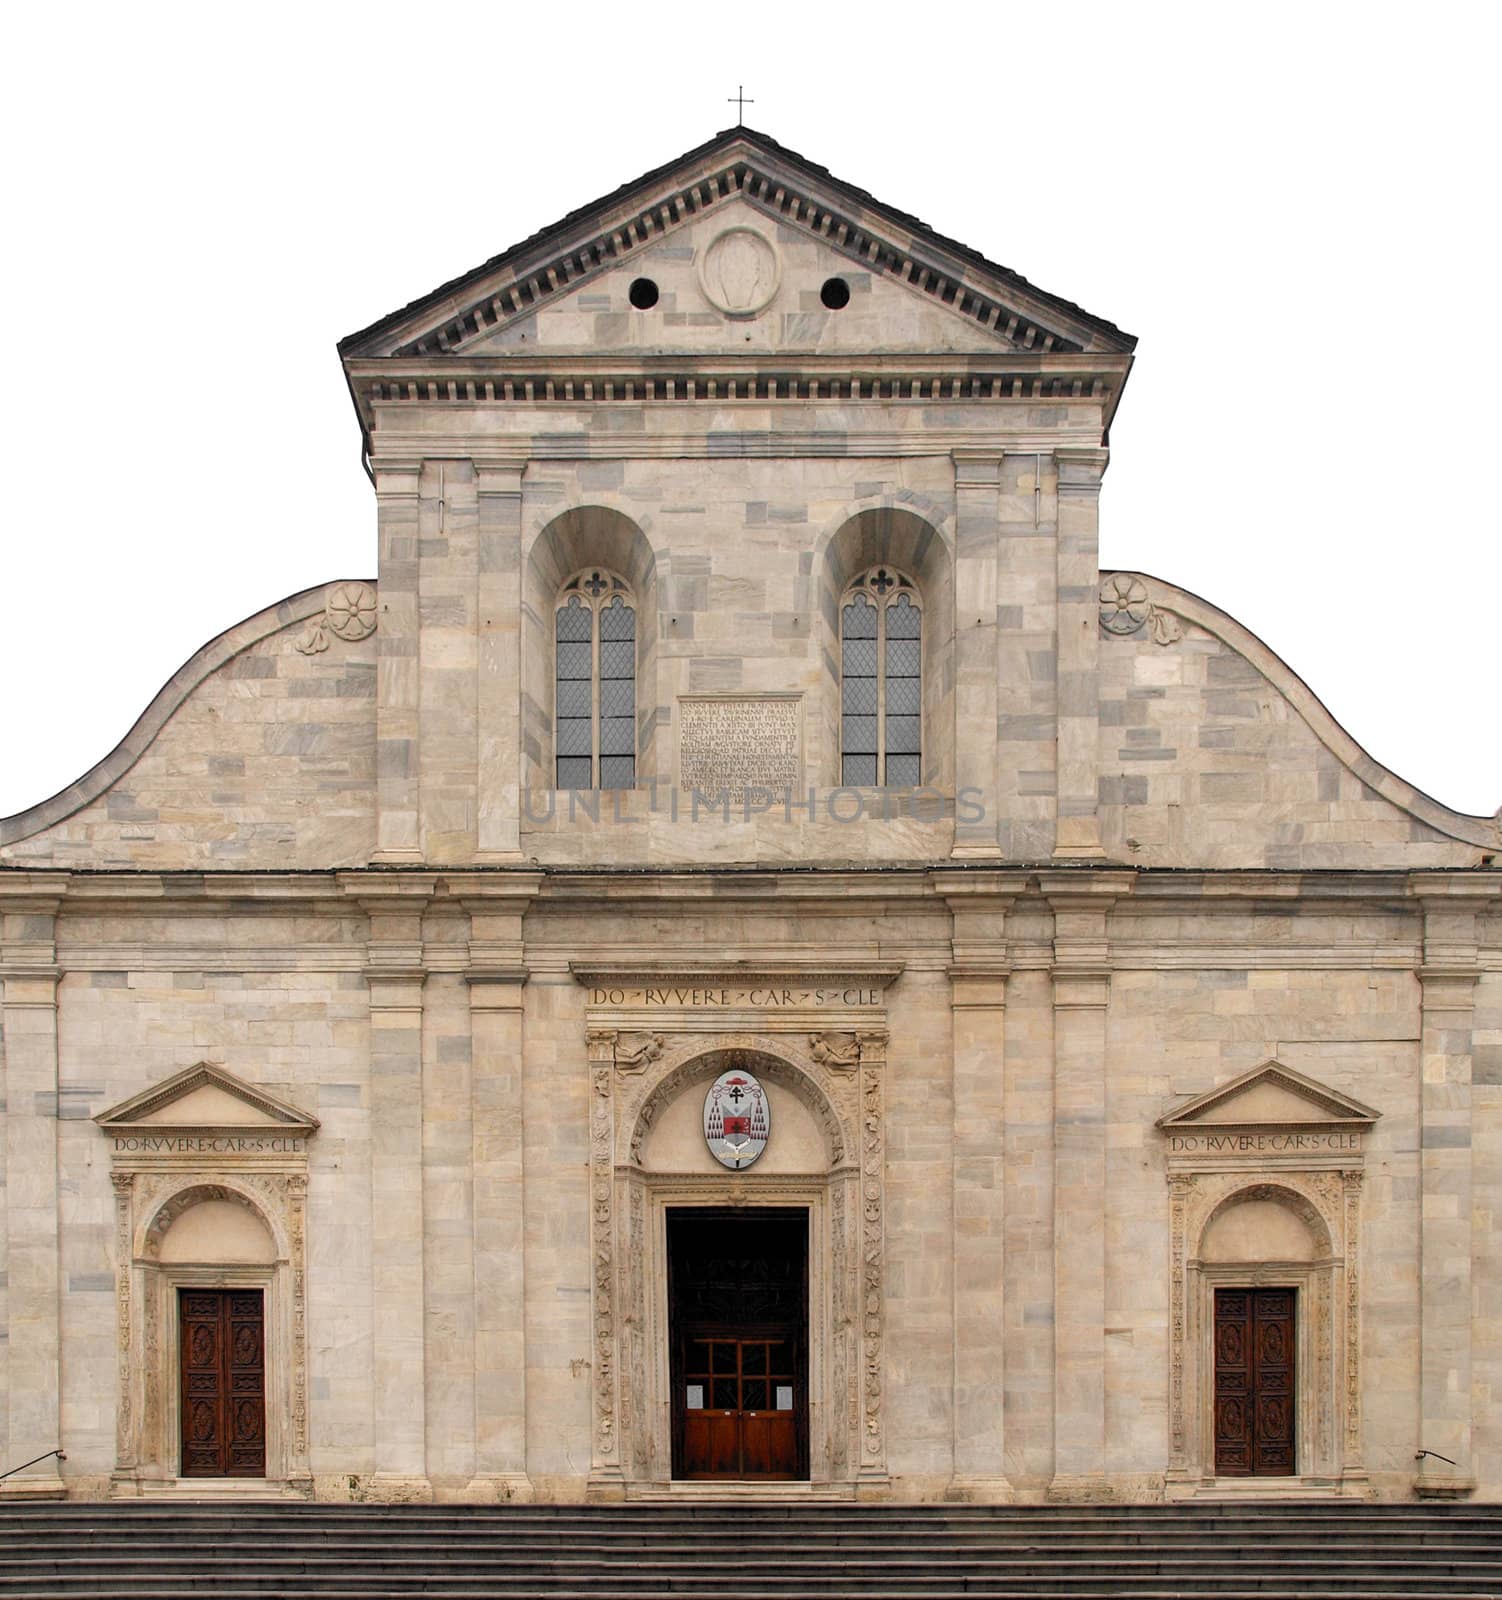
{"type": "Point", "coordinates": [737, 1119]}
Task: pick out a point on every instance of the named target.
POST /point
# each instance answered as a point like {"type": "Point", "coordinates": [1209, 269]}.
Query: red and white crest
{"type": "Point", "coordinates": [737, 1119]}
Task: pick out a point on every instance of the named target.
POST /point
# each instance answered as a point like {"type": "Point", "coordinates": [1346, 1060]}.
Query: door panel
{"type": "Point", "coordinates": [223, 1393]}
{"type": "Point", "coordinates": [1254, 1383]}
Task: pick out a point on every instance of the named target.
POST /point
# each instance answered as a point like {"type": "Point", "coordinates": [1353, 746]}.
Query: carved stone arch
{"type": "Point", "coordinates": [690, 1060]}
{"type": "Point", "coordinates": [163, 1210]}
{"type": "Point", "coordinates": [1300, 1196]}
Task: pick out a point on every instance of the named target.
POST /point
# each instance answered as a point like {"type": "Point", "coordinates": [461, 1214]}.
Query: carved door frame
{"type": "Point", "coordinates": [148, 1416]}
{"type": "Point", "coordinates": [840, 1078]}
{"type": "Point", "coordinates": [1327, 1332]}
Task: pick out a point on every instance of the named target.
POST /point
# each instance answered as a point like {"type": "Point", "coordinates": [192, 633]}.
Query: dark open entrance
{"type": "Point", "coordinates": [738, 1292]}
{"type": "Point", "coordinates": [1254, 1359]}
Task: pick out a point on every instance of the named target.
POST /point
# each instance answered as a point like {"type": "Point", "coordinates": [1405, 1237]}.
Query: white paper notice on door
{"type": "Point", "coordinates": [696, 1396]}
{"type": "Point", "coordinates": [784, 1397]}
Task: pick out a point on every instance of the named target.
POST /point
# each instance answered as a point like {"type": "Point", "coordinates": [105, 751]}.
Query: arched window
{"type": "Point", "coordinates": [881, 681]}
{"type": "Point", "coordinates": [594, 706]}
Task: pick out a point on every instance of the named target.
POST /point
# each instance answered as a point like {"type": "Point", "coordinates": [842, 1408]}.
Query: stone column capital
{"type": "Point", "coordinates": [1081, 470]}
{"type": "Point", "coordinates": [499, 473]}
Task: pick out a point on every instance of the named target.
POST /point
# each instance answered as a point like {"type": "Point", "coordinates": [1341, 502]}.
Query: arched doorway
{"type": "Point", "coordinates": [805, 1223]}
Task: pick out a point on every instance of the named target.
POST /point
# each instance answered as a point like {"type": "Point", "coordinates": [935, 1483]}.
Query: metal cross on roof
{"type": "Point", "coordinates": [741, 102]}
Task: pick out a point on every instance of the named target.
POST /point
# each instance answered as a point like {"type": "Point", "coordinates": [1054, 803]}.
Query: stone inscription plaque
{"type": "Point", "coordinates": [730, 744]}
{"type": "Point", "coordinates": [725, 997]}
{"type": "Point", "coordinates": [1237, 1144]}
{"type": "Point", "coordinates": [199, 1144]}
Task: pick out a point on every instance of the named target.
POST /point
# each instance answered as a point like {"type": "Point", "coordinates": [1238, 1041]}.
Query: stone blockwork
{"type": "Point", "coordinates": [1157, 985]}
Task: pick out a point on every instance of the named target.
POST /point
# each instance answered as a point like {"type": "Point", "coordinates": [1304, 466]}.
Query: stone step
{"type": "Point", "coordinates": [140, 1551]}
{"type": "Point", "coordinates": [274, 1576]}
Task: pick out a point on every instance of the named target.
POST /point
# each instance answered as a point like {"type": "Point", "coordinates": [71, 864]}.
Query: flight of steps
{"type": "Point", "coordinates": [144, 1551]}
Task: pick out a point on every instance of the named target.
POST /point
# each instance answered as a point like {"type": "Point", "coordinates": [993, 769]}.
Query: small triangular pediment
{"type": "Point", "coordinates": [1269, 1096]}
{"type": "Point", "coordinates": [206, 1097]}
{"type": "Point", "coordinates": [566, 288]}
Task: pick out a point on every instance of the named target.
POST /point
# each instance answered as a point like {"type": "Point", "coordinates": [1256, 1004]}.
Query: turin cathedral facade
{"type": "Point", "coordinates": [740, 962]}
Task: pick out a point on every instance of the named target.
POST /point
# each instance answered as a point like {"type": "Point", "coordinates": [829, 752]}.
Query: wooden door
{"type": "Point", "coordinates": [740, 1416]}
{"type": "Point", "coordinates": [738, 1288]}
{"type": "Point", "coordinates": [223, 1338]}
{"type": "Point", "coordinates": [1254, 1383]}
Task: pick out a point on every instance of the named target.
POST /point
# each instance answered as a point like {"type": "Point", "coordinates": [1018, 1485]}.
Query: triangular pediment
{"type": "Point", "coordinates": [688, 226]}
{"type": "Point", "coordinates": [1269, 1096]}
{"type": "Point", "coordinates": [206, 1097]}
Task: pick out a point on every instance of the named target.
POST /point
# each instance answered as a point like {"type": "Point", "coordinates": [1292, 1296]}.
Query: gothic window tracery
{"type": "Point", "coordinates": [594, 633]}
{"type": "Point", "coordinates": [881, 680]}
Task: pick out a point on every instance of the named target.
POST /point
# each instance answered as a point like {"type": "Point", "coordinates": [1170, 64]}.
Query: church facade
{"type": "Point", "coordinates": [741, 962]}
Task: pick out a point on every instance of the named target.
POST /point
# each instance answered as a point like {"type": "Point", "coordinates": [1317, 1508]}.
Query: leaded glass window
{"type": "Point", "coordinates": [881, 681]}
{"type": "Point", "coordinates": [594, 633]}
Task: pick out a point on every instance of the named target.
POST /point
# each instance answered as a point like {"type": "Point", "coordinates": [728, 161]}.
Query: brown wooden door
{"type": "Point", "coordinates": [223, 1337]}
{"type": "Point", "coordinates": [740, 1414]}
{"type": "Point", "coordinates": [1254, 1355]}
{"type": "Point", "coordinates": [738, 1287]}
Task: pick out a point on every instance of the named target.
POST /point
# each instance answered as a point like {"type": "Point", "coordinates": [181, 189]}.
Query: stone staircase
{"type": "Point", "coordinates": [265, 1550]}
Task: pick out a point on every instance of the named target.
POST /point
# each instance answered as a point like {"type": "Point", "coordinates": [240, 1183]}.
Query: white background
{"type": "Point", "coordinates": [1293, 207]}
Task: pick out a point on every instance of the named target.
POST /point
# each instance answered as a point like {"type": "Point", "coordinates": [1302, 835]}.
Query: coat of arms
{"type": "Point", "coordinates": [737, 1119]}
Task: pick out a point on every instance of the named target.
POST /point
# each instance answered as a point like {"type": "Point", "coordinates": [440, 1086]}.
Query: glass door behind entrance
{"type": "Point", "coordinates": [739, 1419]}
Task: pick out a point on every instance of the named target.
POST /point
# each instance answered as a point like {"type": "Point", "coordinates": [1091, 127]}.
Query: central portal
{"type": "Point", "coordinates": [738, 1309]}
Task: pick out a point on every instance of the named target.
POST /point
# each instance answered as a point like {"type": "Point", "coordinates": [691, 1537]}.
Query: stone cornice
{"type": "Point", "coordinates": [1219, 888]}
{"type": "Point", "coordinates": [684, 970]}
{"type": "Point", "coordinates": [720, 380]}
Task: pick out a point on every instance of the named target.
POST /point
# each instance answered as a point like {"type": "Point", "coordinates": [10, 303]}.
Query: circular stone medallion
{"type": "Point", "coordinates": [737, 1119]}
{"type": "Point", "coordinates": [739, 272]}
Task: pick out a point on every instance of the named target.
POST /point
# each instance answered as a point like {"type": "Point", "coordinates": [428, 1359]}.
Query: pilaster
{"type": "Point", "coordinates": [395, 973]}
{"type": "Point", "coordinates": [979, 903]}
{"type": "Point", "coordinates": [398, 757]}
{"type": "Point", "coordinates": [1027, 658]}
{"type": "Point", "coordinates": [30, 975]}
{"type": "Point", "coordinates": [1081, 906]}
{"type": "Point", "coordinates": [496, 975]}
{"type": "Point", "coordinates": [448, 559]}
{"type": "Point", "coordinates": [1447, 982]}
{"type": "Point", "coordinates": [499, 601]}
{"type": "Point", "coordinates": [977, 491]}
{"type": "Point", "coordinates": [1078, 834]}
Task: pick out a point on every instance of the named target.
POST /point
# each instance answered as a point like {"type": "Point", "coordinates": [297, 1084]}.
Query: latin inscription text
{"type": "Point", "coordinates": [208, 1144]}
{"type": "Point", "coordinates": [756, 997]}
{"type": "Point", "coordinates": [732, 745]}
{"type": "Point", "coordinates": [1226, 1144]}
